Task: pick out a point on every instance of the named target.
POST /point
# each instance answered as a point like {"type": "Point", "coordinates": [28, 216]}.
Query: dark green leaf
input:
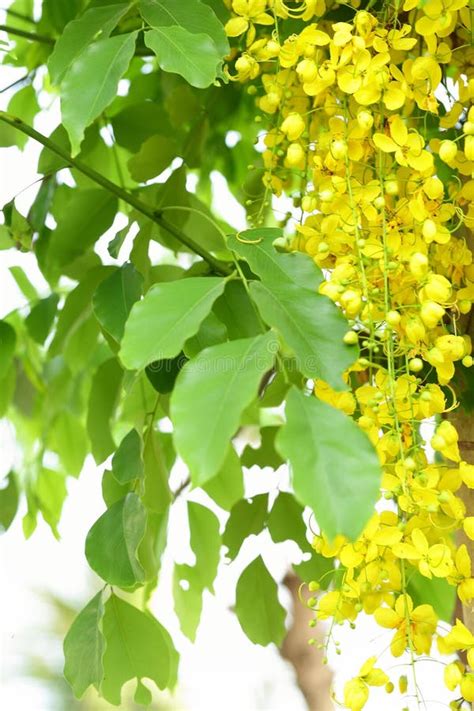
{"type": "Point", "coordinates": [137, 647]}
{"type": "Point", "coordinates": [285, 521]}
{"type": "Point", "coordinates": [84, 647]}
{"type": "Point", "coordinates": [7, 347]}
{"type": "Point", "coordinates": [9, 498]}
{"type": "Point", "coordinates": [237, 312]}
{"type": "Point", "coordinates": [167, 316]}
{"type": "Point", "coordinates": [258, 609]}
{"type": "Point", "coordinates": [41, 318]}
{"type": "Point", "coordinates": [221, 382]}
{"type": "Point", "coordinates": [162, 374]}
{"type": "Point", "coordinates": [436, 592]}
{"type": "Point", "coordinates": [127, 462]}
{"type": "Point", "coordinates": [320, 442]}
{"type": "Point", "coordinates": [91, 83]}
{"type": "Point", "coordinates": [317, 569]}
{"type": "Point", "coordinates": [311, 325]}
{"type": "Point", "coordinates": [112, 543]}
{"type": "Point", "coordinates": [114, 298]}
{"type": "Point", "coordinates": [247, 518]}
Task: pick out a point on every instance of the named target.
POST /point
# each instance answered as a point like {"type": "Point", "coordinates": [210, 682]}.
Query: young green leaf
{"type": "Point", "coordinates": [320, 441]}
{"type": "Point", "coordinates": [285, 521]}
{"type": "Point", "coordinates": [105, 390]}
{"type": "Point", "coordinates": [191, 15]}
{"type": "Point", "coordinates": [169, 314]}
{"type": "Point", "coordinates": [158, 457]}
{"type": "Point", "coordinates": [114, 298]}
{"type": "Point", "coordinates": [258, 609]}
{"type": "Point", "coordinates": [311, 325]}
{"type": "Point", "coordinates": [91, 83]}
{"type": "Point", "coordinates": [194, 56]}
{"type": "Point", "coordinates": [256, 247]}
{"type": "Point", "coordinates": [84, 647]}
{"type": "Point", "coordinates": [113, 540]}
{"type": "Point", "coordinates": [227, 487]}
{"type": "Point", "coordinates": [205, 542]}
{"type": "Point", "coordinates": [221, 382]}
{"type": "Point", "coordinates": [265, 455]}
{"type": "Point", "coordinates": [137, 647]}
{"type": "Point", "coordinates": [127, 462]}
{"type": "Point", "coordinates": [187, 596]}
{"type": "Point", "coordinates": [70, 441]}
{"type": "Point", "coordinates": [155, 154]}
{"type": "Point", "coordinates": [79, 33]}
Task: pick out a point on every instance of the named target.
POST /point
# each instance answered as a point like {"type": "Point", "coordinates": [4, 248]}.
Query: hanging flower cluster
{"type": "Point", "coordinates": [370, 128]}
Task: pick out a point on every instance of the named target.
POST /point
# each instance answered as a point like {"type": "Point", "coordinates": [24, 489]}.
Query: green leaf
{"type": "Point", "coordinates": [205, 543]}
{"type": "Point", "coordinates": [112, 491]}
{"type": "Point", "coordinates": [227, 487]}
{"type": "Point", "coordinates": [285, 521]}
{"type": "Point", "coordinates": [162, 374]}
{"type": "Point", "coordinates": [9, 499]}
{"type": "Point", "coordinates": [106, 385]}
{"type": "Point", "coordinates": [158, 457]}
{"type": "Point", "coordinates": [134, 124]}
{"type": "Point", "coordinates": [137, 647]}
{"type": "Point", "coordinates": [127, 462]}
{"type": "Point", "coordinates": [7, 347]}
{"type": "Point", "coordinates": [221, 382]}
{"type": "Point", "coordinates": [85, 216]}
{"type": "Point", "coordinates": [265, 455]}
{"type": "Point", "coordinates": [24, 104]}
{"type": "Point", "coordinates": [193, 56]}
{"type": "Point", "coordinates": [155, 154]}
{"type": "Point", "coordinates": [84, 647]}
{"type": "Point", "coordinates": [24, 284]}
{"type": "Point", "coordinates": [258, 609]}
{"type": "Point", "coordinates": [166, 317]}
{"type": "Point", "coordinates": [153, 544]}
{"type": "Point", "coordinates": [311, 325]}
{"type": "Point", "coordinates": [237, 312]}
{"type": "Point", "coordinates": [320, 443]}
{"type": "Point", "coordinates": [112, 543]}
{"type": "Point", "coordinates": [187, 596]}
{"type": "Point", "coordinates": [79, 33]}
{"type": "Point", "coordinates": [41, 318]}
{"type": "Point", "coordinates": [50, 493]}
{"type": "Point", "coordinates": [256, 247]}
{"type": "Point", "coordinates": [211, 331]}
{"type": "Point", "coordinates": [70, 441]}
{"type": "Point", "coordinates": [436, 592]}
{"type": "Point", "coordinates": [114, 298]}
{"type": "Point", "coordinates": [247, 518]}
{"type": "Point", "coordinates": [91, 83]}
{"type": "Point", "coordinates": [191, 15]}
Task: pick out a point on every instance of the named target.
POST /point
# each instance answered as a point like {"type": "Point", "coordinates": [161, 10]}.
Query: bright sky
{"type": "Point", "coordinates": [222, 670]}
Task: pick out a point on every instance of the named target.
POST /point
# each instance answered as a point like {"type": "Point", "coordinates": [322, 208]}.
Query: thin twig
{"type": "Point", "coordinates": [33, 36]}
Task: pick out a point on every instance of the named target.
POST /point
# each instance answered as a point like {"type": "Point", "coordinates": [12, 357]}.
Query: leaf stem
{"type": "Point", "coordinates": [33, 36]}
{"type": "Point", "coordinates": [146, 210]}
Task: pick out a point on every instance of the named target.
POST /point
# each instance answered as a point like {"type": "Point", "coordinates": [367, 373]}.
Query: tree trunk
{"type": "Point", "coordinates": [312, 676]}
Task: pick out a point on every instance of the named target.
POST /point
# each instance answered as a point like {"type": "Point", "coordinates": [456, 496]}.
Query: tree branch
{"type": "Point", "coordinates": [146, 210]}
{"type": "Point", "coordinates": [27, 35]}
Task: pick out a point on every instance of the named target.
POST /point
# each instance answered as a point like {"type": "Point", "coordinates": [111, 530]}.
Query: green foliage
{"type": "Point", "coordinates": [177, 345]}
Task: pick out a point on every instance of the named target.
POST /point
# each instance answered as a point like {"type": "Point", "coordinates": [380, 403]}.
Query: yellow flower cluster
{"type": "Point", "coordinates": [370, 128]}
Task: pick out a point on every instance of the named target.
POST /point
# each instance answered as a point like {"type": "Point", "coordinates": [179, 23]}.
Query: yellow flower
{"type": "Point", "coordinates": [408, 147]}
{"type": "Point", "coordinates": [445, 440]}
{"type": "Point", "coordinates": [249, 13]}
{"type": "Point", "coordinates": [356, 690]}
{"type": "Point", "coordinates": [416, 624]}
{"type": "Point", "coordinates": [431, 560]}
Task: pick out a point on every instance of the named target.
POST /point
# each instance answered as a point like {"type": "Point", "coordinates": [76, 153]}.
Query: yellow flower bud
{"type": "Point", "coordinates": [468, 128]}
{"type": "Point", "coordinates": [418, 264]}
{"type": "Point", "coordinates": [469, 147]}
{"type": "Point", "coordinates": [309, 203]}
{"type": "Point", "coordinates": [468, 525]}
{"type": "Point", "coordinates": [351, 338]}
{"type": "Point", "coordinates": [293, 126]}
{"type": "Point", "coordinates": [415, 365]}
{"type": "Point", "coordinates": [467, 687]}
{"type": "Point", "coordinates": [307, 70]}
{"type": "Point", "coordinates": [467, 361]}
{"type": "Point", "coordinates": [437, 288]}
{"type": "Point", "coordinates": [365, 119]}
{"type": "Point", "coordinates": [415, 330]}
{"type": "Point", "coordinates": [433, 188]}
{"type": "Point", "coordinates": [403, 684]}
{"type": "Point", "coordinates": [351, 301]}
{"type": "Point", "coordinates": [447, 151]}
{"type": "Point", "coordinates": [393, 318]}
